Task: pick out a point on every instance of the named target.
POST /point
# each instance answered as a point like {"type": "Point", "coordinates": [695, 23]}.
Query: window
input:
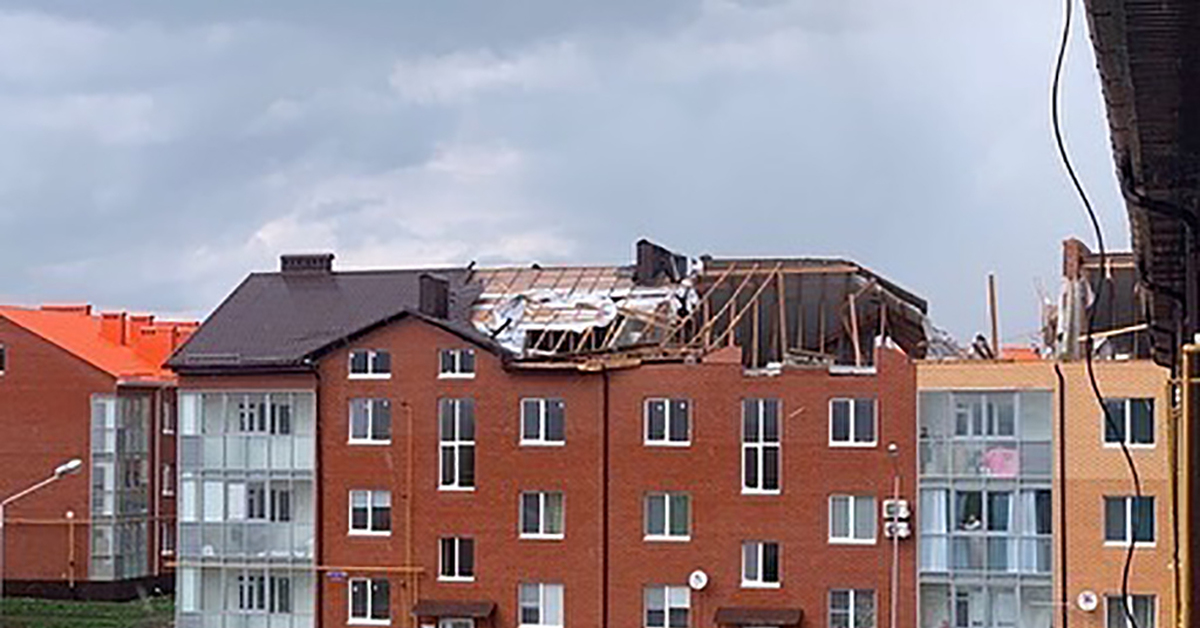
{"type": "Point", "coordinates": [541, 604]}
{"type": "Point", "coordinates": [1132, 421]}
{"type": "Point", "coordinates": [168, 479]}
{"type": "Point", "coordinates": [852, 423]}
{"type": "Point", "coordinates": [260, 593]}
{"type": "Point", "coordinates": [456, 427]}
{"type": "Point", "coordinates": [370, 421]}
{"type": "Point", "coordinates": [1117, 613]}
{"type": "Point", "coordinates": [168, 415]}
{"type": "Point", "coordinates": [370, 364]}
{"type": "Point", "coordinates": [455, 622]}
{"type": "Point", "coordinates": [852, 519]}
{"type": "Point", "coordinates": [543, 422]}
{"type": "Point", "coordinates": [542, 515]}
{"type": "Point", "coordinates": [369, 602]}
{"type": "Point", "coordinates": [256, 416]}
{"type": "Point", "coordinates": [983, 511]}
{"type": "Point", "coordinates": [456, 363]}
{"type": "Point", "coordinates": [457, 559]}
{"type": "Point", "coordinates": [166, 534]}
{"type": "Point", "coordinates": [1129, 519]}
{"type": "Point", "coordinates": [667, 607]}
{"type": "Point", "coordinates": [760, 446]}
{"type": "Point", "coordinates": [370, 512]}
{"type": "Point", "coordinates": [760, 564]}
{"type": "Point", "coordinates": [852, 608]}
{"type": "Point", "coordinates": [668, 422]}
{"type": "Point", "coordinates": [667, 517]}
{"type": "Point", "coordinates": [985, 416]}
{"type": "Point", "coordinates": [3, 359]}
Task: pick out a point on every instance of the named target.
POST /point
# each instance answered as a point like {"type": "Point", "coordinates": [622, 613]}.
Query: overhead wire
{"type": "Point", "coordinates": [1091, 317]}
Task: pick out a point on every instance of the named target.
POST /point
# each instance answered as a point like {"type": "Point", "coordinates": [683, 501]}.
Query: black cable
{"type": "Point", "coordinates": [1087, 204]}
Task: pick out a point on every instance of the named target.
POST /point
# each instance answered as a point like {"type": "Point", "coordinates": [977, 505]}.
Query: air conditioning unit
{"type": "Point", "coordinates": [899, 529]}
{"type": "Point", "coordinates": [896, 509]}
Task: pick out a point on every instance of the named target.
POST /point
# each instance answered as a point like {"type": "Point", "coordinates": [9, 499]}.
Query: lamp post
{"type": "Point", "coordinates": [67, 468]}
{"type": "Point", "coordinates": [893, 452]}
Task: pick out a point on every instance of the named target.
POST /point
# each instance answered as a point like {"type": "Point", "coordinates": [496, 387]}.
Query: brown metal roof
{"type": "Point", "coordinates": [454, 608]}
{"type": "Point", "coordinates": [281, 320]}
{"type": "Point", "coordinates": [744, 616]}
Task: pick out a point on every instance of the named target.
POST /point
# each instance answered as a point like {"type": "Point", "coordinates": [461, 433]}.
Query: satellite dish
{"type": "Point", "coordinates": [1088, 601]}
{"type": "Point", "coordinates": [698, 580]}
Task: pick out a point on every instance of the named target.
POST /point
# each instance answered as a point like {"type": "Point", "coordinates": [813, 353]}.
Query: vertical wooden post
{"type": "Point", "coordinates": [754, 333]}
{"type": "Point", "coordinates": [854, 331]}
{"type": "Point", "coordinates": [995, 317]}
{"type": "Point", "coordinates": [781, 294]}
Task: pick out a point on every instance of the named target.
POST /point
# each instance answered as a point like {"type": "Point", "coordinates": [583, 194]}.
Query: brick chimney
{"type": "Point", "coordinates": [1074, 255]}
{"type": "Point", "coordinates": [112, 327]}
{"type": "Point", "coordinates": [82, 309]}
{"type": "Point", "coordinates": [434, 297]}
{"type": "Point", "coordinates": [306, 264]}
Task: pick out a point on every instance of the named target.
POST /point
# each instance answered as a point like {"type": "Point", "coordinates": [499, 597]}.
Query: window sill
{"type": "Point", "coordinates": [1138, 544]}
{"type": "Point", "coordinates": [662, 538]}
{"type": "Point", "coordinates": [760, 585]}
{"type": "Point", "coordinates": [368, 622]}
{"type": "Point", "coordinates": [369, 376]}
{"type": "Point", "coordinates": [854, 445]}
{"type": "Point", "coordinates": [456, 489]}
{"type": "Point", "coordinates": [1129, 445]}
{"type": "Point", "coordinates": [668, 443]}
{"type": "Point", "coordinates": [456, 376]}
{"type": "Point", "coordinates": [369, 533]}
{"type": "Point", "coordinates": [761, 491]}
{"type": "Point", "coordinates": [852, 541]}
{"type": "Point", "coordinates": [369, 442]}
{"type": "Point", "coordinates": [543, 443]}
{"type": "Point", "coordinates": [541, 537]}
{"type": "Point", "coordinates": [457, 579]}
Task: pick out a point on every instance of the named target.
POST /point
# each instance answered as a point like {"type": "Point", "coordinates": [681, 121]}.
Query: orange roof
{"type": "Point", "coordinates": [125, 356]}
{"type": "Point", "coordinates": [1020, 353]}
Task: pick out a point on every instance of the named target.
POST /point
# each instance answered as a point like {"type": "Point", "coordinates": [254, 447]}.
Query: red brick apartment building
{"type": "Point", "coordinates": [74, 384]}
{"type": "Point", "coordinates": [671, 443]}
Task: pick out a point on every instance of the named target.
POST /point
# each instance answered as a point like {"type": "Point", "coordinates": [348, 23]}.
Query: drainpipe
{"type": "Point", "coordinates": [1062, 492]}
{"type": "Point", "coordinates": [604, 515]}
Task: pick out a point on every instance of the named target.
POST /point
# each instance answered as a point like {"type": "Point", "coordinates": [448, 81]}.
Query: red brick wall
{"type": "Point", "coordinates": [503, 468]}
{"type": "Point", "coordinates": [722, 518]}
{"type": "Point", "coordinates": [45, 418]}
{"type": "Point", "coordinates": [709, 469]}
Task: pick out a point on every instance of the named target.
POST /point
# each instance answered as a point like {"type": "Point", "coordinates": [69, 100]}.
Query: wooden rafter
{"type": "Point", "coordinates": [753, 299]}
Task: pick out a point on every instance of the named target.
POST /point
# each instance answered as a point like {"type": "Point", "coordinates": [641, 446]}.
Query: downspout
{"type": "Point", "coordinates": [1062, 492]}
{"type": "Point", "coordinates": [604, 514]}
{"type": "Point", "coordinates": [318, 520]}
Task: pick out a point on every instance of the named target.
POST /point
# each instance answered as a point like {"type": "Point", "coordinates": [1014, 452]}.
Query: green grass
{"type": "Point", "coordinates": [28, 613]}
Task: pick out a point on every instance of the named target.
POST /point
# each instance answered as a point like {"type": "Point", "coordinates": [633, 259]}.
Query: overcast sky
{"type": "Point", "coordinates": [153, 153]}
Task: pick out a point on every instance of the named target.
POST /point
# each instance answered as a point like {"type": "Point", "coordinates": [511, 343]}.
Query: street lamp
{"type": "Point", "coordinates": [893, 452]}
{"type": "Point", "coordinates": [61, 471]}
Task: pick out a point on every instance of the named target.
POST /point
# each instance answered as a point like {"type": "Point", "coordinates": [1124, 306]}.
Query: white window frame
{"type": "Point", "coordinates": [1128, 424]}
{"type": "Point", "coordinates": [167, 415]}
{"type": "Point", "coordinates": [457, 354]}
{"type": "Point", "coordinates": [542, 587]}
{"type": "Point", "coordinates": [851, 518]}
{"type": "Point", "coordinates": [371, 401]}
{"type": "Point", "coordinates": [456, 542]}
{"type": "Point", "coordinates": [167, 478]}
{"type": "Point", "coordinates": [457, 444]}
{"type": "Point", "coordinates": [759, 582]}
{"type": "Point", "coordinates": [850, 401]}
{"type": "Point", "coordinates": [166, 538]}
{"type": "Point", "coordinates": [1111, 598]}
{"type": "Point", "coordinates": [668, 411]}
{"type": "Point", "coordinates": [455, 622]}
{"type": "Point", "coordinates": [541, 534]}
{"type": "Point", "coordinates": [368, 531]}
{"type": "Point", "coordinates": [370, 374]}
{"type": "Point", "coordinates": [666, 535]}
{"type": "Point", "coordinates": [543, 418]}
{"type": "Point", "coordinates": [760, 445]}
{"type": "Point", "coordinates": [368, 620]}
{"type": "Point", "coordinates": [667, 606]}
{"type": "Point", "coordinates": [1128, 500]}
{"type": "Point", "coordinates": [853, 606]}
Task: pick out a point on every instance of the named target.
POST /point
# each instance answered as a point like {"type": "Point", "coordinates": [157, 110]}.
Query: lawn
{"type": "Point", "coordinates": [28, 613]}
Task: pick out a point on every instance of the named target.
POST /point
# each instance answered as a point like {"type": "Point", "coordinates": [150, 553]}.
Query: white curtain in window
{"type": "Point", "coordinates": [1027, 509]}
{"type": "Point", "coordinates": [214, 501]}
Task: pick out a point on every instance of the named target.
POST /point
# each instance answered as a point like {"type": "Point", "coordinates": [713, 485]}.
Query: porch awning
{"type": "Point", "coordinates": [454, 608]}
{"type": "Point", "coordinates": [741, 616]}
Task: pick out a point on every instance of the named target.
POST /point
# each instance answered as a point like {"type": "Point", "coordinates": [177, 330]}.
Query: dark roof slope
{"type": "Point", "coordinates": [280, 320]}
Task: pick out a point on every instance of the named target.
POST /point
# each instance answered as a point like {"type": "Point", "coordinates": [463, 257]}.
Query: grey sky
{"type": "Point", "coordinates": [153, 153]}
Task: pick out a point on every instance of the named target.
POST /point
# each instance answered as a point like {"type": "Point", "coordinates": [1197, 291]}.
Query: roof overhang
{"type": "Point", "coordinates": [747, 616]}
{"type": "Point", "coordinates": [466, 609]}
{"type": "Point", "coordinates": [1148, 54]}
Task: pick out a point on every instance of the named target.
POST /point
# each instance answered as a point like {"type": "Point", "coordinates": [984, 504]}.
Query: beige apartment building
{"type": "Point", "coordinates": [1027, 506]}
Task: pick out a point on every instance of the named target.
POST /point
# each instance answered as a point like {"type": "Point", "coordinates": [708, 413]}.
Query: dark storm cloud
{"type": "Point", "coordinates": [156, 152]}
